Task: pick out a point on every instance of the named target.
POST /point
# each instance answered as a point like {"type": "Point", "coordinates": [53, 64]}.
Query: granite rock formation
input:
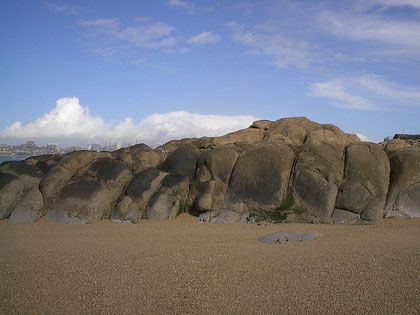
{"type": "Point", "coordinates": [290, 170]}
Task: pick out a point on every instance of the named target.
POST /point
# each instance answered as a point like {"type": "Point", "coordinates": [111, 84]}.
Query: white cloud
{"type": "Point", "coordinates": [366, 92]}
{"type": "Point", "coordinates": [70, 123]}
{"type": "Point", "coordinates": [363, 137]}
{"type": "Point", "coordinates": [285, 50]}
{"type": "Point", "coordinates": [203, 38]}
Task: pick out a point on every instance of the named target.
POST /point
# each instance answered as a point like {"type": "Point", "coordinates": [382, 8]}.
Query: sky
{"type": "Point", "coordinates": [90, 71]}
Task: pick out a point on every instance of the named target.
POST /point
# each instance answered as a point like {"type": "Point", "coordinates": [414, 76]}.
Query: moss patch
{"type": "Point", "coordinates": [276, 215]}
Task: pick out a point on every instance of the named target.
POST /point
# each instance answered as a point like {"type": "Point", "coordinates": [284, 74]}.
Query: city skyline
{"type": "Point", "coordinates": [75, 72]}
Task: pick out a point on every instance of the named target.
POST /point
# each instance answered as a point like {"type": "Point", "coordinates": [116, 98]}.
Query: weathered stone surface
{"type": "Point", "coordinates": [220, 162]}
{"type": "Point", "coordinates": [29, 209]}
{"type": "Point", "coordinates": [140, 157]}
{"type": "Point", "coordinates": [285, 237]}
{"type": "Point", "coordinates": [79, 202]}
{"type": "Point", "coordinates": [44, 162]}
{"type": "Point", "coordinates": [366, 180]}
{"type": "Point", "coordinates": [404, 192]}
{"type": "Point", "coordinates": [210, 185]}
{"type": "Point", "coordinates": [290, 170]}
{"type": "Point", "coordinates": [170, 198]}
{"type": "Point", "coordinates": [395, 144]}
{"type": "Point", "coordinates": [61, 173]}
{"type": "Point", "coordinates": [245, 136]}
{"type": "Point", "coordinates": [345, 217]}
{"type": "Point", "coordinates": [182, 161]}
{"type": "Point", "coordinates": [141, 188]}
{"type": "Point", "coordinates": [319, 172]}
{"type": "Point", "coordinates": [17, 178]}
{"type": "Point", "coordinates": [92, 194]}
{"type": "Point", "coordinates": [261, 124]}
{"type": "Point", "coordinates": [11, 191]}
{"type": "Point", "coordinates": [227, 216]}
{"type": "Point", "coordinates": [262, 174]}
{"type": "Point", "coordinates": [27, 173]}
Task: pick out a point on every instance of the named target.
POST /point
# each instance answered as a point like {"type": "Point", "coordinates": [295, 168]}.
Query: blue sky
{"type": "Point", "coordinates": [86, 71]}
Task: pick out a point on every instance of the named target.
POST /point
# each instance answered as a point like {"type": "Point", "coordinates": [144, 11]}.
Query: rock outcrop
{"type": "Point", "coordinates": [290, 170]}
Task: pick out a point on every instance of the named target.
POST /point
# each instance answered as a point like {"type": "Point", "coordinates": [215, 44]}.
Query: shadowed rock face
{"type": "Point", "coordinates": [91, 193]}
{"type": "Point", "coordinates": [261, 175]}
{"type": "Point", "coordinates": [133, 205]}
{"type": "Point", "coordinates": [290, 170]}
{"type": "Point", "coordinates": [404, 192]}
{"type": "Point", "coordinates": [182, 161]}
{"type": "Point", "coordinates": [365, 185]}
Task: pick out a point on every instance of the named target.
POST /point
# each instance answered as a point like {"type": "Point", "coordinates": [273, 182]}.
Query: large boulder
{"type": "Point", "coordinates": [220, 162]}
{"type": "Point", "coordinates": [139, 157]}
{"type": "Point", "coordinates": [290, 129]}
{"type": "Point", "coordinates": [29, 209]}
{"type": "Point", "coordinates": [90, 196]}
{"type": "Point", "coordinates": [404, 192]}
{"type": "Point", "coordinates": [245, 136]}
{"type": "Point", "coordinates": [182, 161]}
{"type": "Point", "coordinates": [133, 205]}
{"type": "Point", "coordinates": [210, 185]}
{"type": "Point", "coordinates": [258, 186]}
{"type": "Point", "coordinates": [366, 180]}
{"type": "Point", "coordinates": [261, 175]}
{"type": "Point", "coordinates": [61, 174]}
{"type": "Point", "coordinates": [169, 200]}
{"type": "Point", "coordinates": [30, 175]}
{"type": "Point", "coordinates": [11, 191]}
{"type": "Point", "coordinates": [16, 179]}
{"type": "Point", "coordinates": [395, 144]}
{"type": "Point", "coordinates": [319, 171]}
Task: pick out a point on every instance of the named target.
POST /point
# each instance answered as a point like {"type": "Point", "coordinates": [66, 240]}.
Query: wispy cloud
{"type": "Point", "coordinates": [285, 50]}
{"type": "Point", "coordinates": [181, 4]}
{"type": "Point", "coordinates": [188, 6]}
{"type": "Point", "coordinates": [65, 9]}
{"type": "Point", "coordinates": [109, 37]}
{"type": "Point", "coordinates": [337, 91]}
{"type": "Point", "coordinates": [71, 123]}
{"type": "Point", "coordinates": [204, 38]}
{"type": "Point", "coordinates": [375, 28]}
{"type": "Point", "coordinates": [382, 35]}
{"type": "Point", "coordinates": [393, 3]}
{"type": "Point", "coordinates": [366, 92]}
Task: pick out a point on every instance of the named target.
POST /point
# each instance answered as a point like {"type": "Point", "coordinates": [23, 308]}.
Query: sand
{"type": "Point", "coordinates": [179, 266]}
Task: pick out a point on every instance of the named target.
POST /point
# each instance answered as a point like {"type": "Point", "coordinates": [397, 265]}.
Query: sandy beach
{"type": "Point", "coordinates": [179, 266]}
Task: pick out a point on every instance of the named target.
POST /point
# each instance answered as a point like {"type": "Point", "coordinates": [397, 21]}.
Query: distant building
{"type": "Point", "coordinates": [95, 147]}
{"type": "Point", "coordinates": [29, 145]}
{"type": "Point", "coordinates": [118, 145]}
{"type": "Point", "coordinates": [407, 137]}
{"type": "Point", "coordinates": [53, 148]}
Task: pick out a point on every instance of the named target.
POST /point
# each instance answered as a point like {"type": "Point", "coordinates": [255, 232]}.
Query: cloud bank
{"type": "Point", "coordinates": [69, 123]}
